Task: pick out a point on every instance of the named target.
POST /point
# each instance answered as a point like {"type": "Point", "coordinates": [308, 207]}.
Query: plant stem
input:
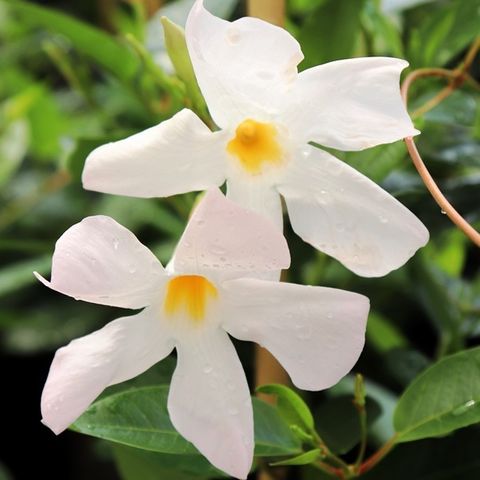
{"type": "Point", "coordinates": [362, 416]}
{"type": "Point", "coordinates": [377, 456]}
{"type": "Point", "coordinates": [457, 78]}
{"type": "Point", "coordinates": [272, 11]}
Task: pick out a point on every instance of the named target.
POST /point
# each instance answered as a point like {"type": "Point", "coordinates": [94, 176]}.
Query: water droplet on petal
{"type": "Point", "coordinates": [233, 35]}
{"type": "Point", "coordinates": [116, 243]}
{"type": "Point", "coordinates": [383, 219]}
{"type": "Point", "coordinates": [233, 411]}
{"type": "Point", "coordinates": [207, 368]}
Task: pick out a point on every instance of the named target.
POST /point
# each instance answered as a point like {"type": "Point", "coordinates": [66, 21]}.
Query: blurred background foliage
{"type": "Point", "coordinates": [77, 74]}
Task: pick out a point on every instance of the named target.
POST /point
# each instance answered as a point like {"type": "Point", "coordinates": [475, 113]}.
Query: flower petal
{"type": "Point", "coordinates": [243, 68]}
{"type": "Point", "coordinates": [99, 261]}
{"type": "Point", "coordinates": [209, 401]}
{"type": "Point", "coordinates": [316, 333]}
{"type": "Point", "coordinates": [224, 237]}
{"type": "Point", "coordinates": [255, 195]}
{"type": "Point", "coordinates": [81, 370]}
{"type": "Point", "coordinates": [350, 104]}
{"type": "Point", "coordinates": [344, 214]}
{"type": "Point", "coordinates": [176, 156]}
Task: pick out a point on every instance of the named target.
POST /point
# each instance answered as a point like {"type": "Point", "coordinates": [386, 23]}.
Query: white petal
{"type": "Point", "coordinates": [255, 195]}
{"type": "Point", "coordinates": [176, 156]}
{"type": "Point", "coordinates": [81, 370]}
{"type": "Point", "coordinates": [316, 333]}
{"type": "Point", "coordinates": [209, 402]}
{"type": "Point", "coordinates": [350, 104]}
{"type": "Point", "coordinates": [99, 261]}
{"type": "Point", "coordinates": [225, 237]}
{"type": "Point", "coordinates": [243, 68]}
{"type": "Point", "coordinates": [344, 214]}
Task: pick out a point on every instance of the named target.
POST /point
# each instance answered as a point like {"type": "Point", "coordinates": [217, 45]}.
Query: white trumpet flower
{"type": "Point", "coordinates": [267, 113]}
{"type": "Point", "coordinates": [207, 292]}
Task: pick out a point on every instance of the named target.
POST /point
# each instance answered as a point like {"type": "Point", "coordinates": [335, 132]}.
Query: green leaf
{"type": "Point", "coordinates": [432, 287]}
{"type": "Point", "coordinates": [291, 406]}
{"type": "Point", "coordinates": [383, 335]}
{"type": "Point", "coordinates": [96, 44]}
{"type": "Point", "coordinates": [443, 398]}
{"type": "Point", "coordinates": [139, 418]}
{"type": "Point", "coordinates": [135, 464]}
{"type": "Point", "coordinates": [330, 32]}
{"type": "Point", "coordinates": [178, 52]}
{"type": "Point", "coordinates": [20, 274]}
{"type": "Point", "coordinates": [303, 459]}
{"type": "Point", "coordinates": [445, 32]}
{"type": "Point", "coordinates": [13, 147]}
{"type": "Point", "coordinates": [338, 423]}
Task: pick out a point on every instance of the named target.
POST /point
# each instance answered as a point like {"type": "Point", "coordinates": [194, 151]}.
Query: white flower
{"type": "Point", "coordinates": [267, 113]}
{"type": "Point", "coordinates": [205, 292]}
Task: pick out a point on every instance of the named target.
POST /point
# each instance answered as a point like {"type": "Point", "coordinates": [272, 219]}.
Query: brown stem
{"type": "Point", "coordinates": [438, 196]}
{"type": "Point", "coordinates": [457, 78]}
{"type": "Point", "coordinates": [272, 11]}
{"type": "Point", "coordinates": [377, 456]}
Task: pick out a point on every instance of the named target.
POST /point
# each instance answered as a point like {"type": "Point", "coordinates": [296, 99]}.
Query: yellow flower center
{"type": "Point", "coordinates": [255, 144]}
{"type": "Point", "coordinates": [189, 294]}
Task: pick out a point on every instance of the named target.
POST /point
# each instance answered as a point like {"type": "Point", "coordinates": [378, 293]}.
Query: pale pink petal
{"type": "Point", "coordinates": [258, 196]}
{"type": "Point", "coordinates": [176, 156]}
{"type": "Point", "coordinates": [316, 333]}
{"type": "Point", "coordinates": [224, 237]}
{"type": "Point", "coordinates": [243, 68]}
{"type": "Point", "coordinates": [81, 370]}
{"type": "Point", "coordinates": [346, 215]}
{"type": "Point", "coordinates": [99, 261]}
{"type": "Point", "coordinates": [209, 401]}
{"type": "Point", "coordinates": [350, 104]}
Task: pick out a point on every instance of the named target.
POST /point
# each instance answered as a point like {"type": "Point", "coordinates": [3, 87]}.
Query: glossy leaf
{"type": "Point", "coordinates": [134, 464]}
{"type": "Point", "coordinates": [443, 398]}
{"type": "Point", "coordinates": [303, 459]}
{"type": "Point", "coordinates": [338, 423]}
{"type": "Point", "coordinates": [139, 418]}
{"type": "Point", "coordinates": [291, 406]}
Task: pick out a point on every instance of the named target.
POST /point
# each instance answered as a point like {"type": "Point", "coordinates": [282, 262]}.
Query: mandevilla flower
{"type": "Point", "coordinates": [207, 291]}
{"type": "Point", "coordinates": [267, 113]}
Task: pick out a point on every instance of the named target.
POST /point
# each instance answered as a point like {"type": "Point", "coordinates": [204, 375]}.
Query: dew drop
{"type": "Point", "coordinates": [233, 411]}
{"type": "Point", "coordinates": [443, 212]}
{"type": "Point", "coordinates": [303, 332]}
{"type": "Point", "coordinates": [207, 368]}
{"type": "Point", "coordinates": [116, 243]}
{"type": "Point", "coordinates": [233, 35]}
{"type": "Point", "coordinates": [263, 75]}
{"type": "Point", "coordinates": [217, 250]}
{"type": "Point", "coordinates": [330, 315]}
{"type": "Point", "coordinates": [383, 219]}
